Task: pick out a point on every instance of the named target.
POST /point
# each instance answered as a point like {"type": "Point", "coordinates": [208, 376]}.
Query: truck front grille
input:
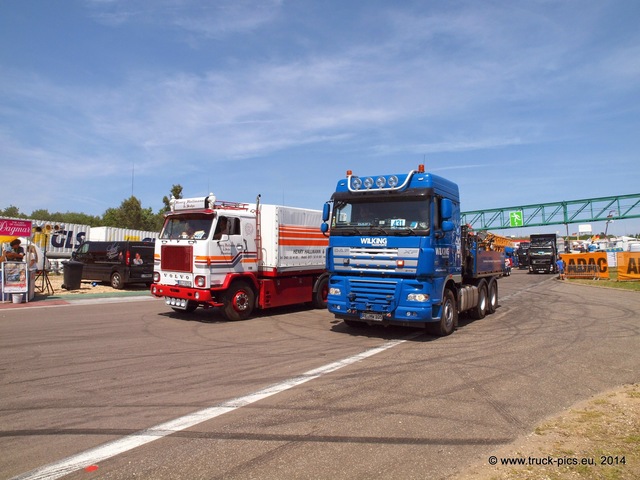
{"type": "Point", "coordinates": [176, 258]}
{"type": "Point", "coordinates": [372, 292]}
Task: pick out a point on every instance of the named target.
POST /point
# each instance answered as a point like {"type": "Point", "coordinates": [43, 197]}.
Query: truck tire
{"type": "Point", "coordinates": [116, 281]}
{"type": "Point", "coordinates": [492, 304]}
{"type": "Point", "coordinates": [448, 318]}
{"type": "Point", "coordinates": [480, 310]}
{"type": "Point", "coordinates": [238, 301]}
{"type": "Point", "coordinates": [320, 295]}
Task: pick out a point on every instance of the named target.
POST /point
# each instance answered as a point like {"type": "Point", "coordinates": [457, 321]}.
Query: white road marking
{"type": "Point", "coordinates": [116, 447]}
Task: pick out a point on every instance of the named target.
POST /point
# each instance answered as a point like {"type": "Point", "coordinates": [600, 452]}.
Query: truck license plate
{"type": "Point", "coordinates": [376, 317]}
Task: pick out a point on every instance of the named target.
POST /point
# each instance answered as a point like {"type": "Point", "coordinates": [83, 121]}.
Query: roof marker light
{"type": "Point", "coordinates": [421, 168]}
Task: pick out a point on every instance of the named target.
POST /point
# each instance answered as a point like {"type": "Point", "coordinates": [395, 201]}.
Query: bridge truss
{"type": "Point", "coordinates": [559, 213]}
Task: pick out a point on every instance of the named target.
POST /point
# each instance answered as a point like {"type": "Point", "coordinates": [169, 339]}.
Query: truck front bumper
{"type": "Point", "coordinates": [384, 302]}
{"type": "Point", "coordinates": [177, 292]}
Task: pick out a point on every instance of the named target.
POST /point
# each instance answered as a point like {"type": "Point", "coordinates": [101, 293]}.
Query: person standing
{"type": "Point", "coordinates": [560, 264]}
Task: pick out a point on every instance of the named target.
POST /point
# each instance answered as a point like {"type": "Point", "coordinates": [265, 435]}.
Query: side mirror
{"type": "Point", "coordinates": [326, 212]}
{"type": "Point", "coordinates": [446, 209]}
{"type": "Point", "coordinates": [447, 226]}
{"type": "Point", "coordinates": [324, 228]}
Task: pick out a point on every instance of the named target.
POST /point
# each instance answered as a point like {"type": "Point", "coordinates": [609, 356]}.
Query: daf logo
{"type": "Point", "coordinates": [374, 241]}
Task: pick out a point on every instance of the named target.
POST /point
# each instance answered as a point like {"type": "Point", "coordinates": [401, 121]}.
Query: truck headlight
{"type": "Point", "coordinates": [334, 291]}
{"type": "Point", "coordinates": [418, 297]}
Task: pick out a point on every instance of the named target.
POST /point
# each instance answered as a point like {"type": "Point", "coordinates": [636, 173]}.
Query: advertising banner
{"type": "Point", "coordinates": [14, 277]}
{"type": "Point", "coordinates": [586, 265]}
{"type": "Point", "coordinates": [10, 229]}
{"type": "Point", "coordinates": [628, 265]}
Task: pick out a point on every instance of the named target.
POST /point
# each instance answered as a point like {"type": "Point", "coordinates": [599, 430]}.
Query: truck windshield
{"type": "Point", "coordinates": [400, 216]}
{"type": "Point", "coordinates": [193, 226]}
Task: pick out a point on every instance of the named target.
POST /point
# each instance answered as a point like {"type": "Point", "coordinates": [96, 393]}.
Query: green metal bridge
{"type": "Point", "coordinates": [600, 209]}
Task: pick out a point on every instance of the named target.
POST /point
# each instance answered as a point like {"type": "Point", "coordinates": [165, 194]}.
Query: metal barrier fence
{"type": "Point", "coordinates": [582, 271]}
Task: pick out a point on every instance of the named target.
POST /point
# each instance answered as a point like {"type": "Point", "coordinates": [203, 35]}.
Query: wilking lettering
{"type": "Point", "coordinates": [374, 241]}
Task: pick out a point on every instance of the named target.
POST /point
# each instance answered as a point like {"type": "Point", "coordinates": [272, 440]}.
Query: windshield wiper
{"type": "Point", "coordinates": [379, 230]}
{"type": "Point", "coordinates": [348, 231]}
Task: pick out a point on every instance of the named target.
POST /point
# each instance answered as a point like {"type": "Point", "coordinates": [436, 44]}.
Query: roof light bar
{"type": "Point", "coordinates": [386, 183]}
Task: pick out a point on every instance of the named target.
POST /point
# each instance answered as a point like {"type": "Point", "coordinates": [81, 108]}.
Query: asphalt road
{"type": "Point", "coordinates": [74, 377]}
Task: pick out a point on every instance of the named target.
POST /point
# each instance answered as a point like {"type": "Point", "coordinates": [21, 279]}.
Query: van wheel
{"type": "Point", "coordinates": [238, 301]}
{"type": "Point", "coordinates": [116, 281]}
{"type": "Point", "coordinates": [480, 310]}
{"type": "Point", "coordinates": [448, 318]}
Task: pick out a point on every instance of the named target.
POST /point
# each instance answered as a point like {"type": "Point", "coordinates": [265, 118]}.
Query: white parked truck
{"type": "Point", "coordinates": [239, 257]}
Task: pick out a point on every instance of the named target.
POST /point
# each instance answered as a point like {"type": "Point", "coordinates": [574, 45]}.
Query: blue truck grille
{"type": "Point", "coordinates": [375, 260]}
{"type": "Point", "coordinates": [372, 294]}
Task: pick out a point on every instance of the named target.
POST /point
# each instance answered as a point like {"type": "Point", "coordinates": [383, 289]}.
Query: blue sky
{"type": "Point", "coordinates": [519, 102]}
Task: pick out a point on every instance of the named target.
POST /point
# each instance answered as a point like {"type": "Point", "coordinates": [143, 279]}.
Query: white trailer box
{"type": "Point", "coordinates": [114, 234]}
{"type": "Point", "coordinates": [291, 239]}
{"type": "Point", "coordinates": [60, 242]}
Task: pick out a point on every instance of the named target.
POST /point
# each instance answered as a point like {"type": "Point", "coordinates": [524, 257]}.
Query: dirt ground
{"type": "Point", "coordinates": [595, 439]}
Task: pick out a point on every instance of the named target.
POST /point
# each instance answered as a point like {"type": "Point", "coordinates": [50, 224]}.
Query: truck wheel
{"type": "Point", "coordinates": [116, 281]}
{"type": "Point", "coordinates": [448, 318]}
{"type": "Point", "coordinates": [492, 305]}
{"type": "Point", "coordinates": [238, 302]}
{"type": "Point", "coordinates": [480, 310]}
{"type": "Point", "coordinates": [320, 295]}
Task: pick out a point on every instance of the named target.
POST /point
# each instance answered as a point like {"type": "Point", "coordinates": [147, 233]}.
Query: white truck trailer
{"type": "Point", "coordinates": [239, 257]}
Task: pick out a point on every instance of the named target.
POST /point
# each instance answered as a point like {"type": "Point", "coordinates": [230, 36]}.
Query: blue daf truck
{"type": "Point", "coordinates": [398, 254]}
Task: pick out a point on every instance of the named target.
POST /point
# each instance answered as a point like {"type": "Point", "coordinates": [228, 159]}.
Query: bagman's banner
{"type": "Point", "coordinates": [628, 265]}
{"type": "Point", "coordinates": [586, 265]}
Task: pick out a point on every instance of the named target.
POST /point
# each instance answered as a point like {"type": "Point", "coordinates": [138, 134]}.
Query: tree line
{"type": "Point", "coordinates": [129, 214]}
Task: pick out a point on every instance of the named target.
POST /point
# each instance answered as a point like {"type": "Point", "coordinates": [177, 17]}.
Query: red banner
{"type": "Point", "coordinates": [15, 228]}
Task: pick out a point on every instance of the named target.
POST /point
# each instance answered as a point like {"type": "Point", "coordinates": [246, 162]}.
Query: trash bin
{"type": "Point", "coordinates": [72, 271]}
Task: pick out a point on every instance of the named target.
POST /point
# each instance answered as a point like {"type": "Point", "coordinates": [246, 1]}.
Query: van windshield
{"type": "Point", "coordinates": [193, 226]}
